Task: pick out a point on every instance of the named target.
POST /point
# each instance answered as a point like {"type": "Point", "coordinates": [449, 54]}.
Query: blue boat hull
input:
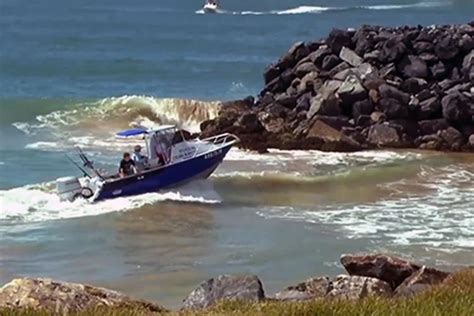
{"type": "Point", "coordinates": [165, 177]}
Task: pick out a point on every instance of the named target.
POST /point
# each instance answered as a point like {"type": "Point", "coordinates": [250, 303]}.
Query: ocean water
{"type": "Point", "coordinates": [76, 72]}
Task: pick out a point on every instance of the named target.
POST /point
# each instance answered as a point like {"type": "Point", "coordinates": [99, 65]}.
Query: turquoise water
{"type": "Point", "coordinates": [74, 72]}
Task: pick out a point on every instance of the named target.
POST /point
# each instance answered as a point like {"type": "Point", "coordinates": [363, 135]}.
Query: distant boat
{"type": "Point", "coordinates": [211, 6]}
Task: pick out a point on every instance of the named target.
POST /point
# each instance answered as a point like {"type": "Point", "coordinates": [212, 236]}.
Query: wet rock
{"type": "Point", "coordinates": [331, 139]}
{"type": "Point", "coordinates": [384, 135]}
{"type": "Point", "coordinates": [421, 280]}
{"type": "Point", "coordinates": [358, 287]}
{"type": "Point", "coordinates": [271, 123]}
{"type": "Point", "coordinates": [249, 123]}
{"type": "Point", "coordinates": [350, 57]}
{"type": "Point", "coordinates": [377, 116]}
{"type": "Point", "coordinates": [288, 101]}
{"type": "Point", "coordinates": [389, 269]}
{"type": "Point", "coordinates": [452, 137]}
{"type": "Point", "coordinates": [225, 287]}
{"type": "Point", "coordinates": [64, 297]}
{"type": "Point", "coordinates": [456, 108]}
{"type": "Point", "coordinates": [309, 289]}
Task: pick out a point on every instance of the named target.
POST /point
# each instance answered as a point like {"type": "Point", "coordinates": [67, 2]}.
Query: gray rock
{"type": "Point", "coordinates": [384, 135]}
{"type": "Point", "coordinates": [351, 90]}
{"type": "Point", "coordinates": [350, 57]}
{"type": "Point", "coordinates": [225, 287]}
{"type": "Point", "coordinates": [456, 108]}
{"type": "Point", "coordinates": [330, 61]}
{"type": "Point", "coordinates": [389, 269]}
{"type": "Point", "coordinates": [60, 297]}
{"type": "Point", "coordinates": [305, 68]}
{"type": "Point", "coordinates": [452, 137]}
{"type": "Point", "coordinates": [309, 289]}
{"type": "Point", "coordinates": [429, 108]}
{"type": "Point", "coordinates": [326, 102]}
{"type": "Point", "coordinates": [428, 127]}
{"type": "Point", "coordinates": [358, 287]}
{"type": "Point", "coordinates": [388, 91]}
{"type": "Point", "coordinates": [420, 280]}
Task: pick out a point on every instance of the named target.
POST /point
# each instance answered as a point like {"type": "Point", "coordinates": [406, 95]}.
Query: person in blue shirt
{"type": "Point", "coordinates": [140, 160]}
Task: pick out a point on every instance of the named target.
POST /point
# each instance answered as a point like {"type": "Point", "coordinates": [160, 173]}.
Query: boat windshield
{"type": "Point", "coordinates": [160, 142]}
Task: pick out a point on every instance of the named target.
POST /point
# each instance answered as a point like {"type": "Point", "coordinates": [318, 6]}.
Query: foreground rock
{"type": "Point", "coordinates": [375, 87]}
{"type": "Point", "coordinates": [225, 287]}
{"type": "Point", "coordinates": [389, 269]}
{"type": "Point", "coordinates": [309, 289]}
{"type": "Point", "coordinates": [358, 287]}
{"type": "Point", "coordinates": [421, 280]}
{"type": "Point", "coordinates": [63, 297]}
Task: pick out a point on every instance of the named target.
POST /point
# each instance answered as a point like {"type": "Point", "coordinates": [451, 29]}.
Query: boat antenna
{"type": "Point", "coordinates": [87, 163]}
{"type": "Point", "coordinates": [77, 165]}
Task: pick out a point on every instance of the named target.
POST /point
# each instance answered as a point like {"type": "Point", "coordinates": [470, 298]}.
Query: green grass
{"type": "Point", "coordinates": [455, 297]}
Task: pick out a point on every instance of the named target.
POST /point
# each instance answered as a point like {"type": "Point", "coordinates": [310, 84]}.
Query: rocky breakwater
{"type": "Point", "coordinates": [374, 87]}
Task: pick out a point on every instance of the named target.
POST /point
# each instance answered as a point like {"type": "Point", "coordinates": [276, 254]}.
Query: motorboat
{"type": "Point", "coordinates": [211, 6]}
{"type": "Point", "coordinates": [172, 160]}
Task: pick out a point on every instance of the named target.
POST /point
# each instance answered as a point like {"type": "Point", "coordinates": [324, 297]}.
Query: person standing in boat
{"type": "Point", "coordinates": [140, 160]}
{"type": "Point", "coordinates": [127, 166]}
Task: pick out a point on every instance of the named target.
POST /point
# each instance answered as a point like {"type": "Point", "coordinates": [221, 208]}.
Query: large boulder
{"type": "Point", "coordinates": [358, 287]}
{"type": "Point", "coordinates": [351, 90]}
{"type": "Point", "coordinates": [393, 108]}
{"type": "Point", "coordinates": [225, 287]}
{"type": "Point", "coordinates": [350, 57]}
{"type": "Point", "coordinates": [58, 297]}
{"type": "Point", "coordinates": [421, 280]}
{"type": "Point", "coordinates": [429, 108]}
{"type": "Point", "coordinates": [305, 68]}
{"type": "Point", "coordinates": [249, 123]}
{"type": "Point", "coordinates": [326, 102]}
{"type": "Point", "coordinates": [392, 50]}
{"type": "Point", "coordinates": [309, 289]}
{"type": "Point", "coordinates": [389, 269]}
{"type": "Point", "coordinates": [338, 39]}
{"type": "Point", "coordinates": [456, 108]}
{"type": "Point", "coordinates": [330, 138]}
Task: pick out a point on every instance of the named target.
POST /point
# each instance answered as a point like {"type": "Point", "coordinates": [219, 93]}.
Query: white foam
{"type": "Point", "coordinates": [1, 163]}
{"type": "Point", "coordinates": [46, 146]}
{"type": "Point", "coordinates": [442, 218]}
{"type": "Point", "coordinates": [305, 9]}
{"type": "Point", "coordinates": [37, 203]}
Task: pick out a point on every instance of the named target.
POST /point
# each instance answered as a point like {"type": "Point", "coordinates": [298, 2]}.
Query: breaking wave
{"type": "Point", "coordinates": [38, 203]}
{"type": "Point", "coordinates": [122, 112]}
{"type": "Point", "coordinates": [307, 9]}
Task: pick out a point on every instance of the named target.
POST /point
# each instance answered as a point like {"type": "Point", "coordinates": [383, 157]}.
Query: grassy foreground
{"type": "Point", "coordinates": [454, 297]}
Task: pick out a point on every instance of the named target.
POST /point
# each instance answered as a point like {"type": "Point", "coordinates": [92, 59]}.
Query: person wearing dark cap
{"type": "Point", "coordinates": [127, 166]}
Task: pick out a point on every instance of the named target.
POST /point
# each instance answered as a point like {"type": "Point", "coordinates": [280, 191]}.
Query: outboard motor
{"type": "Point", "coordinates": [69, 189]}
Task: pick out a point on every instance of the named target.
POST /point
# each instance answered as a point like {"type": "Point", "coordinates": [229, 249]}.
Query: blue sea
{"type": "Point", "coordinates": [75, 72]}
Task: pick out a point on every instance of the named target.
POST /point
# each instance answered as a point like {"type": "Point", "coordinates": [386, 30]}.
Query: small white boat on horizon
{"type": "Point", "coordinates": [211, 6]}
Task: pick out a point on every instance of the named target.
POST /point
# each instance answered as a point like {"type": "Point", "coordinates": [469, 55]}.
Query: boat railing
{"type": "Point", "coordinates": [218, 140]}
